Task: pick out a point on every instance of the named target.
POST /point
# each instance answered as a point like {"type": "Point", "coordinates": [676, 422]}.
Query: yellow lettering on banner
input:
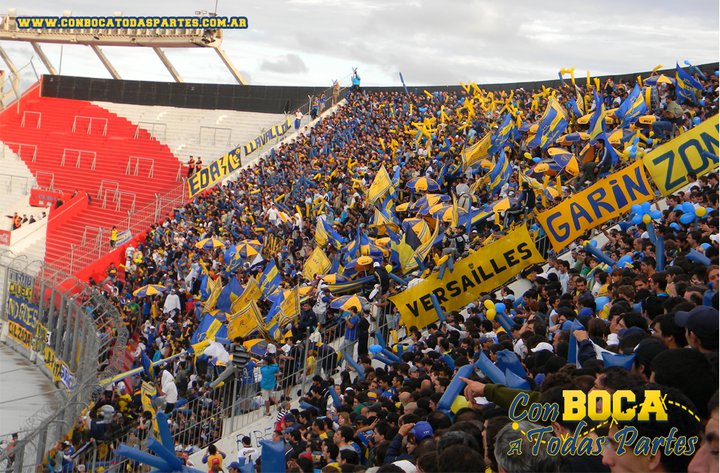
{"type": "Point", "coordinates": [693, 152]}
{"type": "Point", "coordinates": [603, 201]}
{"type": "Point", "coordinates": [482, 271]}
{"type": "Point", "coordinates": [52, 363]}
{"type": "Point", "coordinates": [147, 391]}
{"type": "Point", "coordinates": [230, 162]}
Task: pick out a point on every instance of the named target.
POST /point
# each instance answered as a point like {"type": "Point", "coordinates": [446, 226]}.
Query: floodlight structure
{"type": "Point", "coordinates": [157, 39]}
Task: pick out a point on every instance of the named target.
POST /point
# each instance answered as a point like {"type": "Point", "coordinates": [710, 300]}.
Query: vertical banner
{"type": "Point", "coordinates": [606, 199]}
{"type": "Point", "coordinates": [483, 271]}
{"type": "Point", "coordinates": [693, 152]}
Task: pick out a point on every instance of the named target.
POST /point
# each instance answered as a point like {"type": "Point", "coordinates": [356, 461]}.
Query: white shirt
{"type": "Point", "coordinates": [248, 455]}
{"type": "Point", "coordinates": [172, 302]}
{"type": "Point", "coordinates": [169, 388]}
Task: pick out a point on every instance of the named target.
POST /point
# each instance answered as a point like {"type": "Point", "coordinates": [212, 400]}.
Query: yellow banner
{"type": "Point", "coordinates": [252, 292]}
{"type": "Point", "coordinates": [690, 153]}
{"type": "Point", "coordinates": [241, 324]}
{"type": "Point", "coordinates": [147, 391]}
{"type": "Point", "coordinates": [379, 186]}
{"type": "Point", "coordinates": [317, 264]}
{"type": "Point", "coordinates": [230, 161]}
{"type": "Point", "coordinates": [606, 199]}
{"type": "Point", "coordinates": [53, 364]}
{"type": "Point", "coordinates": [481, 272]}
{"type": "Point", "coordinates": [18, 333]}
{"type": "Point", "coordinates": [475, 153]}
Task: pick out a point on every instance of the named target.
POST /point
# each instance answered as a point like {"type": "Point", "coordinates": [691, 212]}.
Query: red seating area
{"type": "Point", "coordinates": [83, 147]}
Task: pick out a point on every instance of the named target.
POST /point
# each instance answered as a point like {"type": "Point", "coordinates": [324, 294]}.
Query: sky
{"type": "Point", "coordinates": [313, 42]}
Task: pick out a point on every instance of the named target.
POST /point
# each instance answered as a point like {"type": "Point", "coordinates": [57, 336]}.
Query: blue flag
{"type": "Point", "coordinates": [632, 107]}
{"type": "Point", "coordinates": [688, 89]}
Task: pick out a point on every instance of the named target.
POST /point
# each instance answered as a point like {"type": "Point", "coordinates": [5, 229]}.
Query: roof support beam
{"type": "Point", "coordinates": [171, 69]}
{"type": "Point", "coordinates": [106, 63]}
{"type": "Point", "coordinates": [41, 54]}
{"type": "Point", "coordinates": [231, 67]}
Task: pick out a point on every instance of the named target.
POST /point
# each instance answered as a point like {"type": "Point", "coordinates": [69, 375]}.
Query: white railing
{"type": "Point", "coordinates": [212, 131]}
{"type": "Point", "coordinates": [89, 127]}
{"type": "Point", "coordinates": [38, 174]}
{"type": "Point", "coordinates": [135, 170]}
{"type": "Point", "coordinates": [107, 184]}
{"type": "Point", "coordinates": [78, 154]}
{"type": "Point", "coordinates": [21, 147]}
{"type": "Point", "coordinates": [30, 113]}
{"type": "Point", "coordinates": [158, 130]}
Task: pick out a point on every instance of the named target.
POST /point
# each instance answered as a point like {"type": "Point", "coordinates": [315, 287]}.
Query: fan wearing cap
{"type": "Point", "coordinates": [415, 433]}
{"type": "Point", "coordinates": [701, 328]}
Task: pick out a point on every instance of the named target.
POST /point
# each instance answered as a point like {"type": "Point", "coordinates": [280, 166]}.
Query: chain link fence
{"type": "Point", "coordinates": [71, 332]}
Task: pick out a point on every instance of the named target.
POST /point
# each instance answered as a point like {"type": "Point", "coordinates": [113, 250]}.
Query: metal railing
{"type": "Point", "coordinates": [16, 178]}
{"type": "Point", "coordinates": [89, 230]}
{"type": "Point", "coordinates": [135, 170]}
{"type": "Point", "coordinates": [63, 340]}
{"type": "Point", "coordinates": [30, 113]}
{"type": "Point", "coordinates": [38, 174]}
{"type": "Point", "coordinates": [20, 147]}
{"type": "Point", "coordinates": [78, 154]}
{"type": "Point", "coordinates": [143, 125]}
{"type": "Point", "coordinates": [213, 132]}
{"type": "Point", "coordinates": [90, 120]}
{"type": "Point", "coordinates": [106, 184]}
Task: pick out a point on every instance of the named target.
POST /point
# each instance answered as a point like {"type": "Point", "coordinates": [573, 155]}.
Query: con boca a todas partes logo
{"type": "Point", "coordinates": [604, 410]}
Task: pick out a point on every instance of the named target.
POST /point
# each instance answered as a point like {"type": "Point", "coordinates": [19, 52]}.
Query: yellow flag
{"type": "Point", "coordinates": [317, 264]}
{"type": "Point", "coordinates": [242, 323]}
{"type": "Point", "coordinates": [252, 292]}
{"type": "Point", "coordinates": [455, 215]}
{"type": "Point", "coordinates": [147, 391]}
{"type": "Point", "coordinates": [217, 288]}
{"type": "Point", "coordinates": [290, 306]}
{"type": "Point", "coordinates": [476, 152]}
{"type": "Point", "coordinates": [379, 186]}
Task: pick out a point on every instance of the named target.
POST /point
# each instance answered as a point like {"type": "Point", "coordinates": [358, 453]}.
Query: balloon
{"type": "Point", "coordinates": [647, 218]}
{"type": "Point", "coordinates": [489, 304]}
{"type": "Point", "coordinates": [696, 120]}
{"type": "Point", "coordinates": [705, 246]}
{"type": "Point", "coordinates": [687, 219]}
{"type": "Point", "coordinates": [600, 302]}
{"type": "Point", "coordinates": [375, 349]}
{"type": "Point", "coordinates": [656, 214]}
{"type": "Point", "coordinates": [649, 142]}
{"type": "Point", "coordinates": [637, 220]}
{"type": "Point", "coordinates": [459, 403]}
{"type": "Point", "coordinates": [624, 261]}
{"type": "Point", "coordinates": [678, 207]}
{"type": "Point", "coordinates": [675, 226]}
{"type": "Point", "coordinates": [527, 155]}
{"type": "Point", "coordinates": [635, 208]}
{"type": "Point", "coordinates": [490, 314]}
{"type": "Point", "coordinates": [536, 160]}
{"type": "Point", "coordinates": [593, 243]}
{"type": "Point", "coordinates": [700, 211]}
{"type": "Point", "coordinates": [645, 207]}
{"type": "Point", "coordinates": [688, 207]}
{"type": "Point", "coordinates": [500, 307]}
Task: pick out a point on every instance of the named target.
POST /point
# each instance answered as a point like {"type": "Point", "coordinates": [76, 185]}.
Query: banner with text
{"type": "Point", "coordinates": [481, 272]}
{"type": "Point", "coordinates": [606, 199]}
{"type": "Point", "coordinates": [231, 161]}
{"type": "Point", "coordinates": [693, 152]}
{"type": "Point", "coordinates": [22, 320]}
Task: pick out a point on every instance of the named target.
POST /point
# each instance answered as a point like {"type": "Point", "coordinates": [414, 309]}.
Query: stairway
{"type": "Point", "coordinates": [83, 147]}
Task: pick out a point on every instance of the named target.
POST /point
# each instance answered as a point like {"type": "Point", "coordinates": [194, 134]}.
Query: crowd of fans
{"type": "Point", "coordinates": [390, 419]}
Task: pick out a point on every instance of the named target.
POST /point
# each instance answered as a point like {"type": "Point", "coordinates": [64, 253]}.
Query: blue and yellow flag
{"type": "Point", "coordinates": [245, 321]}
{"type": "Point", "coordinates": [326, 234]}
{"type": "Point", "coordinates": [477, 152]}
{"type": "Point", "coordinates": [251, 292]}
{"type": "Point", "coordinates": [632, 107]}
{"type": "Point", "coordinates": [210, 328]}
{"type": "Point", "coordinates": [553, 123]}
{"type": "Point", "coordinates": [596, 128]}
{"type": "Point", "coordinates": [380, 185]}
{"type": "Point", "coordinates": [688, 89]}
{"type": "Point", "coordinates": [505, 132]}
{"type": "Point", "coordinates": [270, 279]}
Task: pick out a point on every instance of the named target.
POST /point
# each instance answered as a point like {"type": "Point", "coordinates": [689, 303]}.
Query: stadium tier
{"type": "Point", "coordinates": [409, 272]}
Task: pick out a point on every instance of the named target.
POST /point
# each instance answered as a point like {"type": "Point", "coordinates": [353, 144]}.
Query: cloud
{"type": "Point", "coordinates": [287, 64]}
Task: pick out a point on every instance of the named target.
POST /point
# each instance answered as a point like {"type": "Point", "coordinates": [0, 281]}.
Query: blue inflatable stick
{"type": "Point", "coordinates": [454, 389]}
{"type": "Point", "coordinates": [359, 369]}
{"type": "Point", "coordinates": [514, 381]}
{"type": "Point", "coordinates": [391, 356]}
{"type": "Point", "coordinates": [504, 322]}
{"type": "Point", "coordinates": [273, 456]}
{"type": "Point", "coordinates": [438, 307]}
{"type": "Point", "coordinates": [489, 369]}
{"type": "Point", "coordinates": [508, 361]}
{"type": "Point", "coordinates": [614, 359]}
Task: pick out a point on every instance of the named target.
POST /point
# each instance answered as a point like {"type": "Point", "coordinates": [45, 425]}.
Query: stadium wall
{"type": "Point", "coordinates": [248, 98]}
